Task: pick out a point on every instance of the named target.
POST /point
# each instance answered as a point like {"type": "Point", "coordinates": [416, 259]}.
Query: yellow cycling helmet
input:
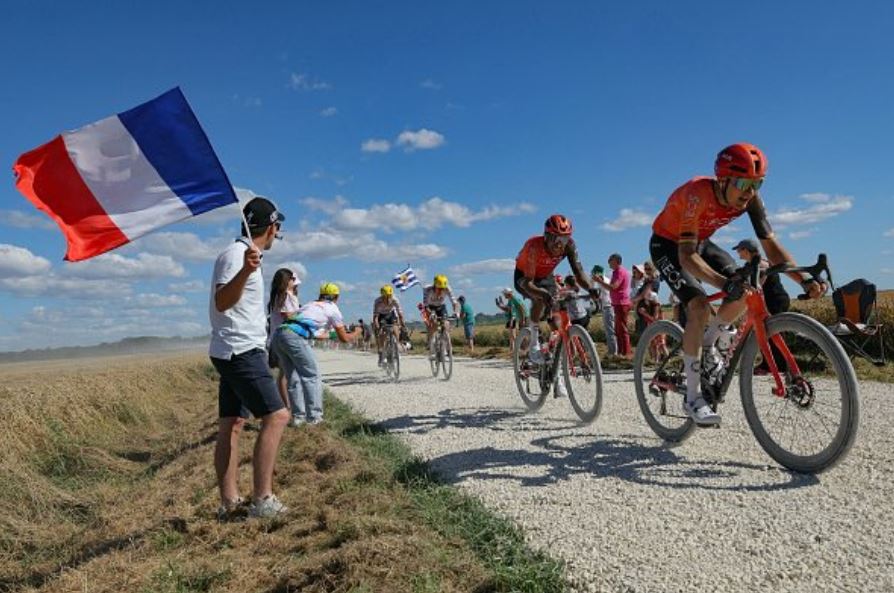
{"type": "Point", "coordinates": [329, 289]}
{"type": "Point", "coordinates": [440, 281]}
{"type": "Point", "coordinates": [387, 290]}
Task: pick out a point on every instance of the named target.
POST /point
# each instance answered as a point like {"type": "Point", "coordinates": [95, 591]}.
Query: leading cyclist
{"type": "Point", "coordinates": [534, 277]}
{"type": "Point", "coordinates": [386, 311]}
{"type": "Point", "coordinates": [684, 255]}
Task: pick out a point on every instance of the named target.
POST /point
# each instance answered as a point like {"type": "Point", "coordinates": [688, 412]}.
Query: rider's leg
{"type": "Point", "coordinates": [537, 307]}
{"type": "Point", "coordinates": [697, 314]}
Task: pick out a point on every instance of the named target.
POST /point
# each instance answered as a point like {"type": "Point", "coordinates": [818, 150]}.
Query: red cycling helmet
{"type": "Point", "coordinates": [557, 225]}
{"type": "Point", "coordinates": [741, 160]}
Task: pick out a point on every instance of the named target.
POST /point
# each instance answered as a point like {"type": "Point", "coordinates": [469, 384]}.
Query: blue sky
{"type": "Point", "coordinates": [441, 135]}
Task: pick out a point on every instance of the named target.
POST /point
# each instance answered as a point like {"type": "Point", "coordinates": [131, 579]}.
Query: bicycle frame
{"type": "Point", "coordinates": [562, 321]}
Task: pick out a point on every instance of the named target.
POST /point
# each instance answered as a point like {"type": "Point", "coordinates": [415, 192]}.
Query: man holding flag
{"type": "Point", "coordinates": [124, 176]}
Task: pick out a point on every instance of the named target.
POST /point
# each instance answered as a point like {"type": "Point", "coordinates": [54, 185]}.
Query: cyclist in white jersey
{"type": "Point", "coordinates": [386, 311]}
{"type": "Point", "coordinates": [434, 302]}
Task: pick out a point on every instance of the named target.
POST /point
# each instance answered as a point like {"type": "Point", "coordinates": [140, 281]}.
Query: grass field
{"type": "Point", "coordinates": [106, 484]}
{"type": "Point", "coordinates": [492, 341]}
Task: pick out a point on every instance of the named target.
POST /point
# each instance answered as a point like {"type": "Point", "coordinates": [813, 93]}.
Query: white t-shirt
{"type": "Point", "coordinates": [325, 314]}
{"type": "Point", "coordinates": [242, 327]}
{"type": "Point", "coordinates": [289, 307]}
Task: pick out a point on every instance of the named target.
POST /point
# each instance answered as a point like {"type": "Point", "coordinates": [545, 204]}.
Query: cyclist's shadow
{"type": "Point", "coordinates": [561, 457]}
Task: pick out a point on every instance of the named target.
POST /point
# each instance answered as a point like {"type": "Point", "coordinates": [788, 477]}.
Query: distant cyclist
{"type": "Point", "coordinates": [434, 300]}
{"type": "Point", "coordinates": [386, 311]}
{"type": "Point", "coordinates": [684, 256]}
{"type": "Point", "coordinates": [534, 276]}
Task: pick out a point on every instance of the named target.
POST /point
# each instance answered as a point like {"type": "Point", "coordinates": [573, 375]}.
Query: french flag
{"type": "Point", "coordinates": [124, 176]}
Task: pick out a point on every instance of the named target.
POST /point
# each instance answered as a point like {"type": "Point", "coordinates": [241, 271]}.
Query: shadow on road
{"type": "Point", "coordinates": [489, 418]}
{"type": "Point", "coordinates": [563, 456]}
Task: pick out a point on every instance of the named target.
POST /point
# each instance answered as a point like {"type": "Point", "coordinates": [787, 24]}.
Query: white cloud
{"type": "Point", "coordinates": [887, 270]}
{"type": "Point", "coordinates": [329, 206]}
{"type": "Point", "coordinates": [18, 262]}
{"type": "Point", "coordinates": [421, 139]}
{"type": "Point", "coordinates": [336, 244]}
{"type": "Point", "coordinates": [272, 263]}
{"type": "Point", "coordinates": [112, 265]}
{"type": "Point", "coordinates": [55, 286]}
{"type": "Point", "coordinates": [795, 235]}
{"type": "Point", "coordinates": [24, 220]}
{"type": "Point", "coordinates": [375, 145]}
{"type": "Point", "coordinates": [329, 112]}
{"type": "Point", "coordinates": [431, 85]}
{"type": "Point", "coordinates": [153, 300]}
{"type": "Point", "coordinates": [182, 246]}
{"type": "Point", "coordinates": [485, 266]}
{"type": "Point", "coordinates": [889, 232]}
{"type": "Point", "coordinates": [429, 215]}
{"type": "Point", "coordinates": [628, 219]}
{"type": "Point", "coordinates": [188, 286]}
{"type": "Point", "coordinates": [303, 82]}
{"type": "Point", "coordinates": [823, 206]}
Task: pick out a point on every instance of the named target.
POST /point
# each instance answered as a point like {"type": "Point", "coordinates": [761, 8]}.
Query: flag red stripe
{"type": "Point", "coordinates": [48, 178]}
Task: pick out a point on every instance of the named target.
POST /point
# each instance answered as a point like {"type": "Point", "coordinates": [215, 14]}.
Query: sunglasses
{"type": "Point", "coordinates": [744, 184]}
{"type": "Point", "coordinates": [560, 239]}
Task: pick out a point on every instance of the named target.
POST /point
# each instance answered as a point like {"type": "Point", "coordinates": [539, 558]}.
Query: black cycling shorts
{"type": "Point", "coordinates": [437, 311]}
{"type": "Point", "coordinates": [381, 319]}
{"type": "Point", "coordinates": [548, 283]}
{"type": "Point", "coordinates": [666, 257]}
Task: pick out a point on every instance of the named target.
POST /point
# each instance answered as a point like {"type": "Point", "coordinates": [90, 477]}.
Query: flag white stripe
{"type": "Point", "coordinates": [123, 181]}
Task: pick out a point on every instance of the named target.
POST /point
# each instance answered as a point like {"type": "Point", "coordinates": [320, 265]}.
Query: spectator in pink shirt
{"type": "Point", "coordinates": [619, 290]}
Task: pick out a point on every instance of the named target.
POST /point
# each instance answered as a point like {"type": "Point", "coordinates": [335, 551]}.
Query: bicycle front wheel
{"type": "Point", "coordinates": [434, 355]}
{"type": "Point", "coordinates": [393, 359]}
{"type": "Point", "coordinates": [583, 374]}
{"type": "Point", "coordinates": [446, 355]}
{"type": "Point", "coordinates": [814, 425]}
{"type": "Point", "coordinates": [660, 379]}
{"type": "Point", "coordinates": [527, 374]}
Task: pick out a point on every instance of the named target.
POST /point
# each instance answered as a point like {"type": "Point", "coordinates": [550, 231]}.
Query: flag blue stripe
{"type": "Point", "coordinates": [170, 137]}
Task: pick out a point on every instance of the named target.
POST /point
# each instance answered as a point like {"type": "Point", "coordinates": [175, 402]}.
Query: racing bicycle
{"type": "Point", "coordinates": [390, 352]}
{"type": "Point", "coordinates": [442, 357]}
{"type": "Point", "coordinates": [804, 412]}
{"type": "Point", "coordinates": [570, 348]}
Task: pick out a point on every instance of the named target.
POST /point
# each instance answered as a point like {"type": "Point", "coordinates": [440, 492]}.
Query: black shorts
{"type": "Point", "coordinates": [512, 323]}
{"type": "Point", "coordinates": [381, 319]}
{"type": "Point", "coordinates": [666, 256]}
{"type": "Point", "coordinates": [548, 283]}
{"type": "Point", "coordinates": [246, 386]}
{"type": "Point", "coordinates": [584, 321]}
{"type": "Point", "coordinates": [437, 311]}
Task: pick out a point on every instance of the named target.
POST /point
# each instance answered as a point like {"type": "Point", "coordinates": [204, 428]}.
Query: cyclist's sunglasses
{"type": "Point", "coordinates": [560, 239]}
{"type": "Point", "coordinates": [744, 184]}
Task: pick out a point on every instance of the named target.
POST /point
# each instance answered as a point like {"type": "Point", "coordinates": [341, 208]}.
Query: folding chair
{"type": "Point", "coordinates": [857, 327]}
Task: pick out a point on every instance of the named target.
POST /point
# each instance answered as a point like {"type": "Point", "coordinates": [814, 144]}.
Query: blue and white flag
{"type": "Point", "coordinates": [405, 279]}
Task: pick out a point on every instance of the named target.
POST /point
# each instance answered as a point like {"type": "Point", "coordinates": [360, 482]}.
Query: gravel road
{"type": "Point", "coordinates": [627, 513]}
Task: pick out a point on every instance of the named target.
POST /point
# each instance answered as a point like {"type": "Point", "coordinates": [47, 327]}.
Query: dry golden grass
{"type": "Point", "coordinates": [106, 484]}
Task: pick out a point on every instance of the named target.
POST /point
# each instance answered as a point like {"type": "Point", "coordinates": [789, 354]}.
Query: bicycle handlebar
{"type": "Point", "coordinates": [752, 268]}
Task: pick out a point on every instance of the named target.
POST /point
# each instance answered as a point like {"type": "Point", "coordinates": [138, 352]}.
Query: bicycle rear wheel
{"type": "Point", "coordinates": [527, 374]}
{"type": "Point", "coordinates": [446, 355]}
{"type": "Point", "coordinates": [660, 381]}
{"type": "Point", "coordinates": [583, 374]}
{"type": "Point", "coordinates": [814, 426]}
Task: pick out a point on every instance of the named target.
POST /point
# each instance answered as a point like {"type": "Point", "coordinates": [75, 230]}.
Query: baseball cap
{"type": "Point", "coordinates": [639, 268]}
{"type": "Point", "coordinates": [261, 212]}
{"type": "Point", "coordinates": [507, 290]}
{"type": "Point", "coordinates": [749, 244]}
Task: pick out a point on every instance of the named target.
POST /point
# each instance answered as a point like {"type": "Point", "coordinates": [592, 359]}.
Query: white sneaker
{"type": "Point", "coordinates": [535, 355]}
{"type": "Point", "coordinates": [296, 421]}
{"type": "Point", "coordinates": [701, 413]}
{"type": "Point", "coordinates": [269, 506]}
{"type": "Point", "coordinates": [315, 421]}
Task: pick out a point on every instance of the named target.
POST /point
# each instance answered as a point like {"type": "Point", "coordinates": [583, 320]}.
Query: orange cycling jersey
{"type": "Point", "coordinates": [536, 262]}
{"type": "Point", "coordinates": [692, 213]}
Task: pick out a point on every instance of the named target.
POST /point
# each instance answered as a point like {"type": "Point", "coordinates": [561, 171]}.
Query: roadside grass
{"type": "Point", "coordinates": [492, 340]}
{"type": "Point", "coordinates": [106, 484]}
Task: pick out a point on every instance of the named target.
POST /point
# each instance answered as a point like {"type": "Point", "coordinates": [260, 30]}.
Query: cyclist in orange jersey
{"type": "Point", "coordinates": [685, 256]}
{"type": "Point", "coordinates": [534, 267]}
